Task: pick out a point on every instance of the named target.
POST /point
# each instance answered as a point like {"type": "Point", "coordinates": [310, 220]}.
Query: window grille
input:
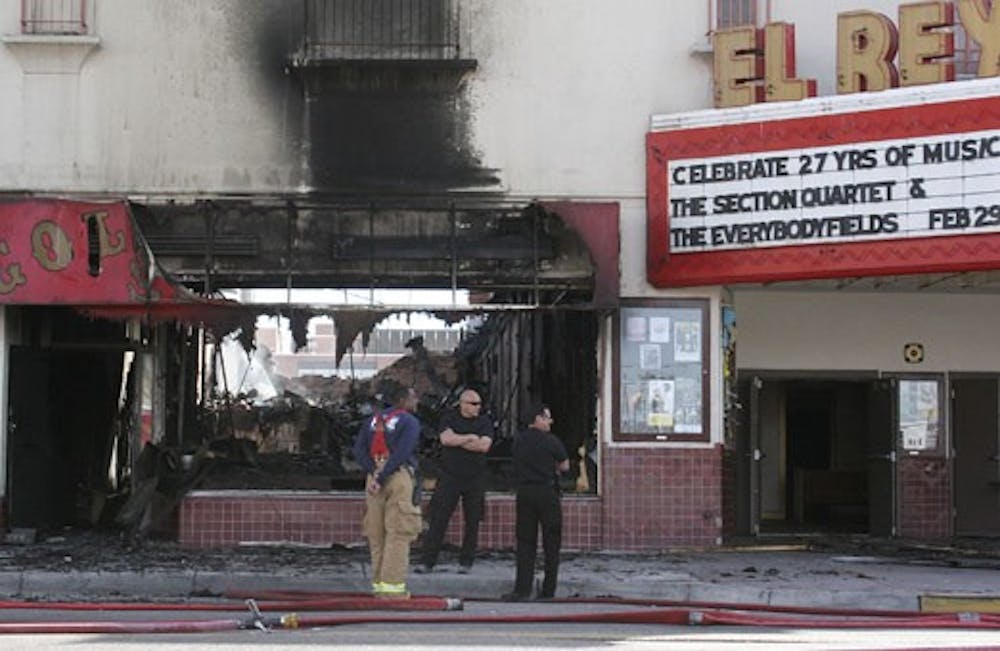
{"type": "Point", "coordinates": [53, 16]}
{"type": "Point", "coordinates": [966, 54]}
{"type": "Point", "coordinates": [382, 29]}
{"type": "Point", "coordinates": [734, 13]}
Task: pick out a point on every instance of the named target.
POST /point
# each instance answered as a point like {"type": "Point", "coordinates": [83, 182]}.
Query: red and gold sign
{"type": "Point", "coordinates": [60, 252]}
{"type": "Point", "coordinates": [757, 65]}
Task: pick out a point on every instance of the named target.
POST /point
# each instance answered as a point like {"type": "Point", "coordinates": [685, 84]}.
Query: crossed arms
{"type": "Point", "coordinates": [470, 442]}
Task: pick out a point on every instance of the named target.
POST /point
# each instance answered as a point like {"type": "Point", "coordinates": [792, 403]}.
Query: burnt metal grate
{"type": "Point", "coordinates": [381, 29]}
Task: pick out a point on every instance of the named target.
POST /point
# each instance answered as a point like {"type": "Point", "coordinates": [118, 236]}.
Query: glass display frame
{"type": "Point", "coordinates": [920, 405]}
{"type": "Point", "coordinates": [662, 371]}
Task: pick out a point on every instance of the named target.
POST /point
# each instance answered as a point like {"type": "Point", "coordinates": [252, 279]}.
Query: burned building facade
{"type": "Point", "coordinates": [164, 154]}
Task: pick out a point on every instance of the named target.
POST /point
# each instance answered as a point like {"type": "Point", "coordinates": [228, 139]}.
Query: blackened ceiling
{"type": "Point", "coordinates": [520, 252]}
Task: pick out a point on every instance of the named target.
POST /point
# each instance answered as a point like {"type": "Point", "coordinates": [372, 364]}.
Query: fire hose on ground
{"type": "Point", "coordinates": [264, 606]}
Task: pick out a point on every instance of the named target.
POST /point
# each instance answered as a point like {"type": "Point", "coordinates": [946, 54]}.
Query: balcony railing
{"type": "Point", "coordinates": [735, 13]}
{"type": "Point", "coordinates": [381, 29]}
{"type": "Point", "coordinates": [53, 16]}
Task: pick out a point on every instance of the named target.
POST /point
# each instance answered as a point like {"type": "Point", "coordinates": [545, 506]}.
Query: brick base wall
{"type": "Point", "coordinates": [658, 497]}
{"type": "Point", "coordinates": [228, 518]}
{"type": "Point", "coordinates": [654, 498]}
{"type": "Point", "coordinates": [924, 498]}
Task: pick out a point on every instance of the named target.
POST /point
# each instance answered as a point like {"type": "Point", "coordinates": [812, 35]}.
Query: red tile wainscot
{"type": "Point", "coordinates": [229, 518]}
{"type": "Point", "coordinates": [658, 497]}
{"type": "Point", "coordinates": [924, 498]}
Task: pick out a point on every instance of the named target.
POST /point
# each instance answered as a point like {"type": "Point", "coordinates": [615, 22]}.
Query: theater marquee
{"type": "Point", "coordinates": [905, 181]}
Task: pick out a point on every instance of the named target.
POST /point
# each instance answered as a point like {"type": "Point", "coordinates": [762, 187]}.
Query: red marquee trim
{"type": "Point", "coordinates": [902, 256]}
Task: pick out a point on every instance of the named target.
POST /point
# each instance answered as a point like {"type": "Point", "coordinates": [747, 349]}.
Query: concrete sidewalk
{"type": "Point", "coordinates": [761, 576]}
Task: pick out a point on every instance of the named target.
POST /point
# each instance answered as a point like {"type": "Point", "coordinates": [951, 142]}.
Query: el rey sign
{"type": "Point", "coordinates": [758, 65]}
{"type": "Point", "coordinates": [848, 186]}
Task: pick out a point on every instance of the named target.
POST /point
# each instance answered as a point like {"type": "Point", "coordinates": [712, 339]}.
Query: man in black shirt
{"type": "Point", "coordinates": [538, 457]}
{"type": "Point", "coordinates": [466, 436]}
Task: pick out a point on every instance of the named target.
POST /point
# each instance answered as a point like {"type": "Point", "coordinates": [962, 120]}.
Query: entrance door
{"type": "Point", "coordinates": [30, 448]}
{"type": "Point", "coordinates": [882, 436]}
{"type": "Point", "coordinates": [822, 455]}
{"type": "Point", "coordinates": [977, 456]}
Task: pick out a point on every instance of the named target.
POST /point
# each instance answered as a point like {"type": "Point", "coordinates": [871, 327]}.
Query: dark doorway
{"type": "Point", "coordinates": [30, 453]}
{"type": "Point", "coordinates": [975, 428]}
{"type": "Point", "coordinates": [62, 408]}
{"type": "Point", "coordinates": [810, 455]}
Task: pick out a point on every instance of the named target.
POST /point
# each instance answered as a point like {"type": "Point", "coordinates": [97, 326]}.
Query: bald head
{"type": "Point", "coordinates": [469, 403]}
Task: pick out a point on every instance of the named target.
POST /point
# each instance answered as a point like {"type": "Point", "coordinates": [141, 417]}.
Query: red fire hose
{"type": "Point", "coordinates": [654, 612]}
{"type": "Point", "coordinates": [327, 602]}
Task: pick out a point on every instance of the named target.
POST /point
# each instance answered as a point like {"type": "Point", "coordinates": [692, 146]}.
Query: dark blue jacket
{"type": "Point", "coordinates": [402, 433]}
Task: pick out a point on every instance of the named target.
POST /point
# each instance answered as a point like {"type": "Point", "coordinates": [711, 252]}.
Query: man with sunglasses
{"type": "Point", "coordinates": [466, 436]}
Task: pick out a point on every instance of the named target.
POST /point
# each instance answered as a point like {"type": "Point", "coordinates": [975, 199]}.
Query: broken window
{"type": "Point", "coordinates": [284, 415]}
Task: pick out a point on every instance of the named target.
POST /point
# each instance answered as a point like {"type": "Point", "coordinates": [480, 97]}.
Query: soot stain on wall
{"type": "Point", "coordinates": [361, 126]}
{"type": "Point", "coordinates": [391, 128]}
{"type": "Point", "coordinates": [273, 31]}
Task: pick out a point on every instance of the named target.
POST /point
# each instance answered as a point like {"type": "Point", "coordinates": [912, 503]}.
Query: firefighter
{"type": "Point", "coordinates": [385, 448]}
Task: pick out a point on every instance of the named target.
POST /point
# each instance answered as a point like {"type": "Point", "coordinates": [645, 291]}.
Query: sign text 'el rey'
{"type": "Point", "coordinates": [757, 65]}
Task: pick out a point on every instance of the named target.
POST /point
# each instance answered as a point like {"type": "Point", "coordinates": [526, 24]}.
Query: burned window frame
{"type": "Point", "coordinates": [670, 369]}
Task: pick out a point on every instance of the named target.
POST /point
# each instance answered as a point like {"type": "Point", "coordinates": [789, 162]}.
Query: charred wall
{"type": "Point", "coordinates": [386, 104]}
{"type": "Point", "coordinates": [390, 126]}
{"type": "Point", "coordinates": [547, 356]}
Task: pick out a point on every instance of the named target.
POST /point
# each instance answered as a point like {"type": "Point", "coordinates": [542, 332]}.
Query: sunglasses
{"type": "Point", "coordinates": [470, 402]}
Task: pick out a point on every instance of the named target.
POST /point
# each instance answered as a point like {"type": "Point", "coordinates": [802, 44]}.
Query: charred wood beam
{"type": "Point", "coordinates": [493, 280]}
{"type": "Point", "coordinates": [222, 246]}
{"type": "Point", "coordinates": [492, 247]}
{"type": "Point", "coordinates": [503, 250]}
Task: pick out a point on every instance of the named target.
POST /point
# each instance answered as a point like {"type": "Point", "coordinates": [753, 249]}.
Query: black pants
{"type": "Point", "coordinates": [446, 495]}
{"type": "Point", "coordinates": [537, 505]}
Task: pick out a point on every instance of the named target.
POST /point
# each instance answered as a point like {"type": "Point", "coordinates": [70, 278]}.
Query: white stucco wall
{"type": "Point", "coordinates": [178, 97]}
{"type": "Point", "coordinates": [188, 96]}
{"type": "Point", "coordinates": [565, 88]}
{"type": "Point", "coordinates": [865, 331]}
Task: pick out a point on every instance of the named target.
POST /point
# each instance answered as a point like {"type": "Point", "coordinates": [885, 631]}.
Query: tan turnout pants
{"type": "Point", "coordinates": [391, 523]}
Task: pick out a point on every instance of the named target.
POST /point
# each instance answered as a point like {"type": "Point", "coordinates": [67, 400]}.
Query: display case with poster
{"type": "Point", "coordinates": [919, 404]}
{"type": "Point", "coordinates": [661, 370]}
